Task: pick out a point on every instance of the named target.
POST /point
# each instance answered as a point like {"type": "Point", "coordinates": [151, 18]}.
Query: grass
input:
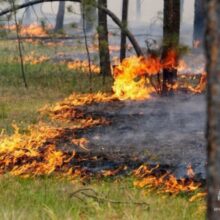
{"type": "Point", "coordinates": [47, 83]}
{"type": "Point", "coordinates": [49, 197]}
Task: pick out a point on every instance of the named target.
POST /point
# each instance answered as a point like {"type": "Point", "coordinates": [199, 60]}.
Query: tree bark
{"type": "Point", "coordinates": [171, 32]}
{"type": "Point", "coordinates": [199, 21]}
{"type": "Point", "coordinates": [60, 17]}
{"type": "Point", "coordinates": [125, 23]}
{"type": "Point", "coordinates": [213, 106]}
{"type": "Point", "coordinates": [104, 55]}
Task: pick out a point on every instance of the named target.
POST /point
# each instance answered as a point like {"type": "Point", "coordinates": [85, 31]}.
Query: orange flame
{"type": "Point", "coordinates": [130, 81]}
{"type": "Point", "coordinates": [33, 58]}
{"type": "Point", "coordinates": [83, 66]}
{"type": "Point", "coordinates": [164, 182]}
{"type": "Point", "coordinates": [133, 76]}
{"type": "Point", "coordinates": [33, 30]}
{"type": "Point", "coordinates": [29, 155]}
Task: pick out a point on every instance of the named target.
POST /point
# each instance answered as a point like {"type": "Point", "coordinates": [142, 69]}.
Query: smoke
{"type": "Point", "coordinates": [168, 130]}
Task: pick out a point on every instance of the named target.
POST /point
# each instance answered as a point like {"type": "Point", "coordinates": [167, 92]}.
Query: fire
{"type": "Point", "coordinates": [164, 182]}
{"type": "Point", "coordinates": [33, 58]}
{"type": "Point", "coordinates": [68, 108]}
{"type": "Point", "coordinates": [133, 77]}
{"type": "Point", "coordinates": [83, 66]}
{"type": "Point", "coordinates": [170, 61]}
{"type": "Point", "coordinates": [33, 30]}
{"type": "Point", "coordinates": [130, 77]}
{"type": "Point", "coordinates": [31, 154]}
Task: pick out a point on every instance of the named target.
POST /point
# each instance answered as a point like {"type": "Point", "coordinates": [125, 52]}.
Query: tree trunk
{"type": "Point", "coordinates": [125, 23]}
{"type": "Point", "coordinates": [104, 55]}
{"type": "Point", "coordinates": [115, 19]}
{"type": "Point", "coordinates": [171, 32]}
{"type": "Point", "coordinates": [181, 9]}
{"type": "Point", "coordinates": [138, 9]}
{"type": "Point", "coordinates": [199, 21]}
{"type": "Point", "coordinates": [90, 14]}
{"type": "Point", "coordinates": [213, 102]}
{"type": "Point", "coordinates": [60, 17]}
{"type": "Point", "coordinates": [27, 17]}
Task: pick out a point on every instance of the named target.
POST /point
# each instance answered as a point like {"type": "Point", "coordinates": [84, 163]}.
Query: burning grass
{"type": "Point", "coordinates": [135, 77]}
{"type": "Point", "coordinates": [164, 181]}
{"type": "Point", "coordinates": [32, 30]}
{"type": "Point", "coordinates": [83, 66]}
{"type": "Point", "coordinates": [32, 154]}
{"type": "Point", "coordinates": [40, 151]}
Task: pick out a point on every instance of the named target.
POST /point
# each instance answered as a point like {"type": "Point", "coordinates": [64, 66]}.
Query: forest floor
{"type": "Point", "coordinates": [51, 197]}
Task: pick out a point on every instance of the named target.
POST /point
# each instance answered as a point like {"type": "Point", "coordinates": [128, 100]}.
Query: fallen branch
{"type": "Point", "coordinates": [99, 199]}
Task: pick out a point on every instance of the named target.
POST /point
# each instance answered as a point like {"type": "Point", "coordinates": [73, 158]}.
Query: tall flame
{"type": "Point", "coordinates": [130, 77]}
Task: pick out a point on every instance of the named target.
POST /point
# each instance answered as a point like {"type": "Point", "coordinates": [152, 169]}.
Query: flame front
{"type": "Point", "coordinates": [164, 182]}
{"type": "Point", "coordinates": [33, 30]}
{"type": "Point", "coordinates": [133, 77]}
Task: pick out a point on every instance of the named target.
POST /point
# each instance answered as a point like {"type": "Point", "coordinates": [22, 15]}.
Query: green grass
{"type": "Point", "coordinates": [47, 83]}
{"type": "Point", "coordinates": [49, 197]}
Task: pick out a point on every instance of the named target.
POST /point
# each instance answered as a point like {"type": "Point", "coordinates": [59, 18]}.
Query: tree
{"type": "Point", "coordinates": [60, 17]}
{"type": "Point", "coordinates": [213, 106]}
{"type": "Point", "coordinates": [138, 9]}
{"type": "Point", "coordinates": [104, 55]}
{"type": "Point", "coordinates": [115, 19]}
{"type": "Point", "coordinates": [27, 17]}
{"type": "Point", "coordinates": [90, 14]}
{"type": "Point", "coordinates": [124, 22]}
{"type": "Point", "coordinates": [199, 21]}
{"type": "Point", "coordinates": [171, 32]}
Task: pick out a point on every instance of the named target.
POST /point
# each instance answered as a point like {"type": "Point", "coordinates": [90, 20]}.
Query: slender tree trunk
{"type": "Point", "coordinates": [60, 17]}
{"type": "Point", "coordinates": [125, 23]}
{"type": "Point", "coordinates": [138, 9]}
{"type": "Point", "coordinates": [199, 21]}
{"type": "Point", "coordinates": [104, 55]}
{"type": "Point", "coordinates": [27, 17]}
{"type": "Point", "coordinates": [181, 9]}
{"type": "Point", "coordinates": [90, 14]}
{"type": "Point", "coordinates": [171, 32]}
{"type": "Point", "coordinates": [213, 106]}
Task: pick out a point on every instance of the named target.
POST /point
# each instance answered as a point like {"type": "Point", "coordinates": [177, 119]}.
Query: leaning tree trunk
{"type": "Point", "coordinates": [60, 17]}
{"type": "Point", "coordinates": [125, 23]}
{"type": "Point", "coordinates": [171, 32]}
{"type": "Point", "coordinates": [213, 101]}
{"type": "Point", "coordinates": [104, 55]}
{"type": "Point", "coordinates": [199, 21]}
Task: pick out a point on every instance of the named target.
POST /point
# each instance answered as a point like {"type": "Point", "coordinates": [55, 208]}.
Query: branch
{"type": "Point", "coordinates": [107, 11]}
